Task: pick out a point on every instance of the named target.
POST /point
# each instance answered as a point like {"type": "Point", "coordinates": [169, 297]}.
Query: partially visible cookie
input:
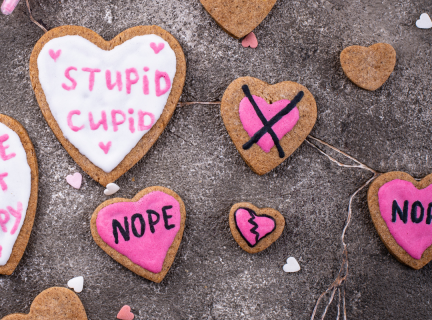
{"type": "Point", "coordinates": [238, 17]}
{"type": "Point", "coordinates": [53, 304]}
{"type": "Point", "coordinates": [369, 68]}
{"type": "Point", "coordinates": [255, 229]}
{"type": "Point", "coordinates": [401, 210]}
{"type": "Point", "coordinates": [267, 123]}
{"type": "Point", "coordinates": [144, 233]}
{"type": "Point", "coordinates": [18, 192]}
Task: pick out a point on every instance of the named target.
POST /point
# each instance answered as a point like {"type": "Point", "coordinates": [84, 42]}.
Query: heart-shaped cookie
{"type": "Point", "coordinates": [238, 17]}
{"type": "Point", "coordinates": [267, 123]}
{"type": "Point", "coordinates": [369, 68]}
{"type": "Point", "coordinates": [255, 229]}
{"type": "Point", "coordinates": [107, 101]}
{"type": "Point", "coordinates": [53, 304]}
{"type": "Point", "coordinates": [18, 190]}
{"type": "Point", "coordinates": [142, 234]}
{"type": "Point", "coordinates": [401, 210]}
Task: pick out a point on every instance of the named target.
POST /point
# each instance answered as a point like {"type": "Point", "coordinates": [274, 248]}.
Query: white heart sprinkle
{"type": "Point", "coordinates": [76, 283]}
{"type": "Point", "coordinates": [424, 22]}
{"type": "Point", "coordinates": [292, 265]}
{"type": "Point", "coordinates": [111, 188]}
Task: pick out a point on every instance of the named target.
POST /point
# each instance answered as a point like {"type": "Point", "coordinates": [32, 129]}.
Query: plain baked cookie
{"type": "Point", "coordinates": [107, 102]}
{"type": "Point", "coordinates": [19, 192]}
{"type": "Point", "coordinates": [267, 123]}
{"type": "Point", "coordinates": [144, 233]}
{"type": "Point", "coordinates": [53, 304]}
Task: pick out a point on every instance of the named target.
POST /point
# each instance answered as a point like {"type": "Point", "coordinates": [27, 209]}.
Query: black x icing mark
{"type": "Point", "coordinates": [267, 128]}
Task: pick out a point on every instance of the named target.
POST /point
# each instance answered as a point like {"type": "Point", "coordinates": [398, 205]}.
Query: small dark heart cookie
{"type": "Point", "coordinates": [369, 68]}
{"type": "Point", "coordinates": [255, 229]}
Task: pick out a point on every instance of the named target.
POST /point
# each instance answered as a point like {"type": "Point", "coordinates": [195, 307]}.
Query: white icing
{"type": "Point", "coordinates": [81, 53]}
{"type": "Point", "coordinates": [18, 183]}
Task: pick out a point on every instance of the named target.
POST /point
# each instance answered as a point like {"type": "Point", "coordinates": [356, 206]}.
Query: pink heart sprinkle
{"type": "Point", "coordinates": [252, 123]}
{"type": "Point", "coordinates": [157, 48]}
{"type": "Point", "coordinates": [8, 6]}
{"type": "Point", "coordinates": [253, 227]}
{"type": "Point", "coordinates": [405, 210]}
{"type": "Point", "coordinates": [250, 41]}
{"type": "Point", "coordinates": [54, 54]}
{"type": "Point", "coordinates": [105, 147]}
{"type": "Point", "coordinates": [125, 313]}
{"type": "Point", "coordinates": [75, 180]}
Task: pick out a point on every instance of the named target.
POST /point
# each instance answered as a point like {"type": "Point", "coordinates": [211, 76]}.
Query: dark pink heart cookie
{"type": "Point", "coordinates": [252, 227]}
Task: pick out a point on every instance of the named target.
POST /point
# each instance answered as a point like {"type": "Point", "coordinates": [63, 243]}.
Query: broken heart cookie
{"type": "Point", "coordinates": [401, 210]}
{"type": "Point", "coordinates": [18, 192]}
{"type": "Point", "coordinates": [255, 229]}
{"type": "Point", "coordinates": [369, 68]}
{"type": "Point", "coordinates": [267, 123]}
{"type": "Point", "coordinates": [142, 234]}
{"type": "Point", "coordinates": [53, 304]}
{"type": "Point", "coordinates": [107, 101]}
{"type": "Point", "coordinates": [238, 17]}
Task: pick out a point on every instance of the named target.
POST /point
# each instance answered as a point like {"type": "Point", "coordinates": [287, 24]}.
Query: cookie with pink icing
{"type": "Point", "coordinates": [255, 229]}
{"type": "Point", "coordinates": [143, 233]}
{"type": "Point", "coordinates": [18, 192]}
{"type": "Point", "coordinates": [107, 101]}
{"type": "Point", "coordinates": [401, 209]}
{"type": "Point", "coordinates": [267, 123]}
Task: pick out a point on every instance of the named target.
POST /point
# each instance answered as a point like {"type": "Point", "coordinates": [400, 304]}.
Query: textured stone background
{"type": "Point", "coordinates": [212, 278]}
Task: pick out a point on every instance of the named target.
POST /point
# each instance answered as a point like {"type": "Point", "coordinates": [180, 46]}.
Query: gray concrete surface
{"type": "Point", "coordinates": [212, 278]}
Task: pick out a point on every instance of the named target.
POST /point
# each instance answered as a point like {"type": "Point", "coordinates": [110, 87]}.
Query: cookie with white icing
{"type": "Point", "coordinates": [18, 190]}
{"type": "Point", "coordinates": [107, 101]}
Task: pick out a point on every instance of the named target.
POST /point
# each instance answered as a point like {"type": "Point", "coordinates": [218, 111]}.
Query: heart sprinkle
{"type": "Point", "coordinates": [250, 41]}
{"type": "Point", "coordinates": [75, 180]}
{"type": "Point", "coordinates": [111, 188]}
{"type": "Point", "coordinates": [292, 265]}
{"type": "Point", "coordinates": [76, 283]}
{"type": "Point", "coordinates": [424, 22]}
{"type": "Point", "coordinates": [125, 313]}
{"type": "Point", "coordinates": [8, 6]}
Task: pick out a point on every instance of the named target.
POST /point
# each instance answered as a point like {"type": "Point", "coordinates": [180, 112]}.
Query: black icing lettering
{"type": "Point", "coordinates": [152, 222]}
{"type": "Point", "coordinates": [116, 225]}
{"type": "Point", "coordinates": [166, 217]}
{"type": "Point", "coordinates": [397, 210]}
{"type": "Point", "coordinates": [142, 224]}
{"type": "Point", "coordinates": [414, 207]}
{"type": "Point", "coordinates": [429, 214]}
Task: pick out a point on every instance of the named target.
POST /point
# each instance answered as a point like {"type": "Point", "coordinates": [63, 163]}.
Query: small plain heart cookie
{"type": "Point", "coordinates": [401, 210]}
{"type": "Point", "coordinates": [53, 304]}
{"type": "Point", "coordinates": [267, 123]}
{"type": "Point", "coordinates": [107, 102]}
{"type": "Point", "coordinates": [255, 229]}
{"type": "Point", "coordinates": [19, 192]}
{"type": "Point", "coordinates": [238, 17]}
{"type": "Point", "coordinates": [369, 68]}
{"type": "Point", "coordinates": [144, 233]}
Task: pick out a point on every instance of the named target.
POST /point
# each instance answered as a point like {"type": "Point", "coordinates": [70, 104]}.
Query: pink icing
{"type": "Point", "coordinates": [2, 183]}
{"type": "Point", "coordinates": [252, 123]}
{"type": "Point", "coordinates": [3, 148]}
{"type": "Point", "coordinates": [141, 125]}
{"type": "Point", "coordinates": [253, 227]}
{"type": "Point", "coordinates": [147, 249]}
{"type": "Point", "coordinates": [114, 119]}
{"type": "Point", "coordinates": [69, 120]}
{"type": "Point", "coordinates": [105, 147]}
{"type": "Point", "coordinates": [158, 76]}
{"type": "Point", "coordinates": [72, 80]}
{"type": "Point", "coordinates": [102, 121]}
{"type": "Point", "coordinates": [146, 88]}
{"type": "Point", "coordinates": [414, 235]}
{"type": "Point", "coordinates": [91, 76]}
{"type": "Point", "coordinates": [129, 80]}
{"type": "Point", "coordinates": [157, 48]}
{"type": "Point", "coordinates": [146, 69]}
{"type": "Point", "coordinates": [54, 54]}
{"type": "Point", "coordinates": [17, 214]}
{"type": "Point", "coordinates": [118, 82]}
{"type": "Point", "coordinates": [4, 220]}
